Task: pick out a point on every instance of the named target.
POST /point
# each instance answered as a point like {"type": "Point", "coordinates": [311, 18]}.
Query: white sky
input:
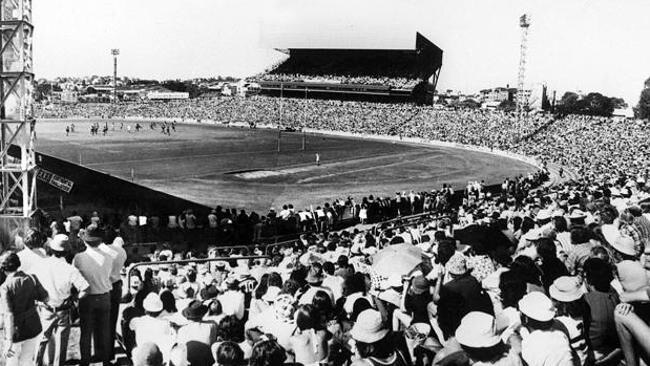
{"type": "Point", "coordinates": [587, 45]}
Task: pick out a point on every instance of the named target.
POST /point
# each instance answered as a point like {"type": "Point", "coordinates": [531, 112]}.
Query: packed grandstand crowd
{"type": "Point", "coordinates": [396, 73]}
{"type": "Point", "coordinates": [534, 274]}
{"type": "Point", "coordinates": [393, 82]}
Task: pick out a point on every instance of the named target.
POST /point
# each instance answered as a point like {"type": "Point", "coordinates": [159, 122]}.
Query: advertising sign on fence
{"type": "Point", "coordinates": [54, 180]}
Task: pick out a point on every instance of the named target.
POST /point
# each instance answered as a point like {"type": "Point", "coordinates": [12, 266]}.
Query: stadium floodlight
{"type": "Point", "coordinates": [17, 123]}
{"type": "Point", "coordinates": [522, 97]}
{"type": "Point", "coordinates": [115, 52]}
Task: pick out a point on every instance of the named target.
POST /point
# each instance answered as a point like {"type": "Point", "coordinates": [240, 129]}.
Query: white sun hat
{"type": "Point", "coordinates": [566, 289]}
{"type": "Point", "coordinates": [537, 306]}
{"type": "Point", "coordinates": [368, 328]}
{"type": "Point", "coordinates": [477, 330]}
{"type": "Point", "coordinates": [152, 303]}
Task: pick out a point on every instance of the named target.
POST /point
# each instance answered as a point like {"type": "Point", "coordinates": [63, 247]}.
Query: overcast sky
{"type": "Point", "coordinates": [587, 45]}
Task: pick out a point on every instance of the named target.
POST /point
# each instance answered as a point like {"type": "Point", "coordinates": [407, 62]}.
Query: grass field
{"type": "Point", "coordinates": [242, 168]}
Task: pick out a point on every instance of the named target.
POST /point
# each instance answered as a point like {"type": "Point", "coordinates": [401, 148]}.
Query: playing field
{"type": "Point", "coordinates": [242, 168]}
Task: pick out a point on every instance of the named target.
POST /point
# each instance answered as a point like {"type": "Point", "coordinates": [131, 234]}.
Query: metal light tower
{"type": "Point", "coordinates": [522, 99]}
{"type": "Point", "coordinates": [115, 52]}
{"type": "Point", "coordinates": [17, 123]}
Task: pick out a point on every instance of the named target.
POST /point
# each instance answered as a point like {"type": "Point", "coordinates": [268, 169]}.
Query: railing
{"type": "Point", "coordinates": [381, 233]}
{"type": "Point", "coordinates": [404, 218]}
{"type": "Point", "coordinates": [185, 261]}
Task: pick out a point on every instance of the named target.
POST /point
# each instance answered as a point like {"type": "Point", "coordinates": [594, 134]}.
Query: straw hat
{"type": "Point", "coordinates": [477, 330]}
{"type": "Point", "coordinates": [368, 328]}
{"type": "Point", "coordinates": [538, 306]}
{"type": "Point", "coordinates": [625, 245]}
{"type": "Point", "coordinates": [566, 289]}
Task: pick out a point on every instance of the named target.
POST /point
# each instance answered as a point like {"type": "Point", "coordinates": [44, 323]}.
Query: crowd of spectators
{"type": "Point", "coordinates": [492, 129]}
{"type": "Point", "coordinates": [397, 72]}
{"type": "Point", "coordinates": [533, 275]}
{"type": "Point", "coordinates": [392, 82]}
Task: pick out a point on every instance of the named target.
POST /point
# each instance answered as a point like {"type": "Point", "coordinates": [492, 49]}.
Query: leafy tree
{"type": "Point", "coordinates": [507, 105]}
{"type": "Point", "coordinates": [470, 103]}
{"type": "Point", "coordinates": [43, 91]}
{"type": "Point", "coordinates": [593, 104]}
{"type": "Point", "coordinates": [643, 108]}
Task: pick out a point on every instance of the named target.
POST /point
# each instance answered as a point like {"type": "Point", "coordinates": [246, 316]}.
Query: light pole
{"type": "Point", "coordinates": [115, 52]}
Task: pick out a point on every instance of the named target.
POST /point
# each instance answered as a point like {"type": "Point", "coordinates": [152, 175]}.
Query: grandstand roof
{"type": "Point", "coordinates": [420, 62]}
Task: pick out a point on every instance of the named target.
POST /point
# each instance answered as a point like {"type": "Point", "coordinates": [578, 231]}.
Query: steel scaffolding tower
{"type": "Point", "coordinates": [522, 98]}
{"type": "Point", "coordinates": [17, 123]}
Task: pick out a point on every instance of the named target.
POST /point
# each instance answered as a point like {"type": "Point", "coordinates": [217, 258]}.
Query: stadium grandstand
{"type": "Point", "coordinates": [394, 75]}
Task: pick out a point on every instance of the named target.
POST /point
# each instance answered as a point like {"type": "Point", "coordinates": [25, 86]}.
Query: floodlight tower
{"type": "Point", "coordinates": [17, 123]}
{"type": "Point", "coordinates": [522, 100]}
{"type": "Point", "coordinates": [115, 52]}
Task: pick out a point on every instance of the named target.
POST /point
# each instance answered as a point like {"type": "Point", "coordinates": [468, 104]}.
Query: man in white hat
{"type": "Point", "coordinates": [478, 337]}
{"type": "Point", "coordinates": [566, 290]}
{"type": "Point", "coordinates": [542, 344]}
{"type": "Point", "coordinates": [150, 328]}
{"type": "Point", "coordinates": [59, 278]}
{"type": "Point", "coordinates": [95, 308]}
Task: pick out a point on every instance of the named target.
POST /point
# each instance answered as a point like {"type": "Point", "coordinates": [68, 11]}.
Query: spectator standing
{"type": "Point", "coordinates": [60, 278]}
{"type": "Point", "coordinates": [95, 308]}
{"type": "Point", "coordinates": [18, 296]}
{"type": "Point", "coordinates": [118, 254]}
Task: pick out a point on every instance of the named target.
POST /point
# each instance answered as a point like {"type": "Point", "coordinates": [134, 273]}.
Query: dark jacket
{"type": "Point", "coordinates": [459, 297]}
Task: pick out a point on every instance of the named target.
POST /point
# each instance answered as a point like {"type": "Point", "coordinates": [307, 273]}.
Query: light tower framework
{"type": "Point", "coordinates": [17, 123]}
{"type": "Point", "coordinates": [115, 52]}
{"type": "Point", "coordinates": [522, 98]}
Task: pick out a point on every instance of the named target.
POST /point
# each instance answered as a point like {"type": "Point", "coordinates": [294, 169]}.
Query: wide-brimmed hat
{"type": "Point", "coordinates": [457, 264]}
{"type": "Point", "coordinates": [566, 289]}
{"type": "Point", "coordinates": [368, 328]}
{"type": "Point", "coordinates": [624, 244]}
{"type": "Point", "coordinates": [92, 235]}
{"type": "Point", "coordinates": [271, 293]}
{"type": "Point", "coordinates": [209, 292]}
{"type": "Point", "coordinates": [610, 233]}
{"type": "Point", "coordinates": [195, 310]}
{"type": "Point", "coordinates": [577, 214]}
{"type": "Point", "coordinates": [537, 306]}
{"type": "Point", "coordinates": [152, 303]}
{"type": "Point", "coordinates": [59, 243]}
{"type": "Point", "coordinates": [477, 330]}
{"type": "Point", "coordinates": [543, 215]}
